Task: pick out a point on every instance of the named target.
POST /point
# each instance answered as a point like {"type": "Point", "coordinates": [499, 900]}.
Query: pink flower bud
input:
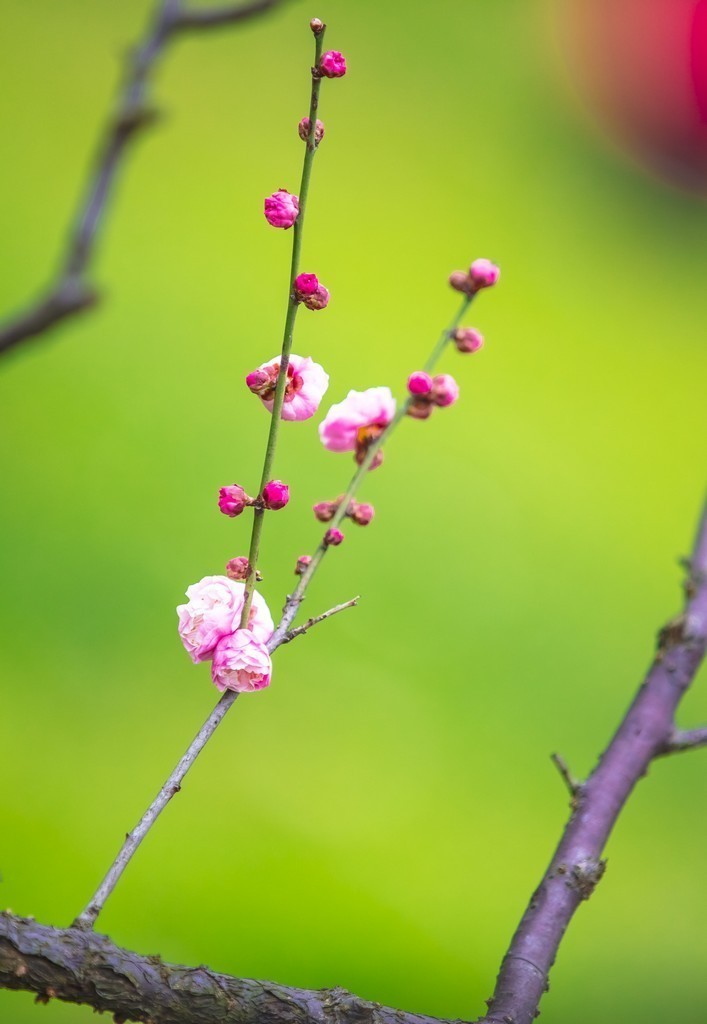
{"type": "Point", "coordinates": [325, 510]}
{"type": "Point", "coordinates": [275, 495]}
{"type": "Point", "coordinates": [305, 284]}
{"type": "Point", "coordinates": [303, 129]}
{"type": "Point", "coordinates": [260, 381]}
{"type": "Point", "coordinates": [332, 64]}
{"type": "Point", "coordinates": [419, 383]}
{"type": "Point", "coordinates": [445, 390]}
{"type": "Point", "coordinates": [360, 455]}
{"type": "Point", "coordinates": [241, 662]}
{"type": "Point", "coordinates": [281, 209]}
{"type": "Point", "coordinates": [460, 281]}
{"type": "Point", "coordinates": [362, 513]}
{"type": "Point", "coordinates": [319, 300]}
{"type": "Point", "coordinates": [232, 500]}
{"type": "Point", "coordinates": [332, 538]}
{"type": "Point", "coordinates": [483, 273]}
{"type": "Point", "coordinates": [317, 26]}
{"type": "Point", "coordinates": [467, 339]}
{"type": "Point", "coordinates": [238, 568]}
{"type": "Point", "coordinates": [303, 563]}
{"type": "Point", "coordinates": [420, 408]}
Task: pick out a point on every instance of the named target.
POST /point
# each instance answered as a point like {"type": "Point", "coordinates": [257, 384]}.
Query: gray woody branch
{"type": "Point", "coordinates": [77, 965]}
{"type": "Point", "coordinates": [71, 292]}
{"type": "Point", "coordinates": [83, 967]}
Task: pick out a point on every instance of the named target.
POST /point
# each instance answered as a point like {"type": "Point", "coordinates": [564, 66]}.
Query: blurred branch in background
{"type": "Point", "coordinates": [79, 966]}
{"type": "Point", "coordinates": [71, 292]}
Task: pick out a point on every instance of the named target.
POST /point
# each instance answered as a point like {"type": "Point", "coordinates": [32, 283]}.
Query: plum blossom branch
{"type": "Point", "coordinates": [290, 317]}
{"type": "Point", "coordinates": [273, 494]}
{"type": "Point", "coordinates": [306, 626]}
{"type": "Point", "coordinates": [71, 293]}
{"type": "Point", "coordinates": [646, 732]}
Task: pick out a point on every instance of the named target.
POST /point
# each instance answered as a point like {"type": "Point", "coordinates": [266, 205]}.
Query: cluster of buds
{"type": "Point", "coordinates": [426, 392]}
{"type": "Point", "coordinates": [359, 511]}
{"type": "Point", "coordinates": [310, 292]}
{"type": "Point", "coordinates": [481, 274]}
{"type": "Point", "coordinates": [233, 500]}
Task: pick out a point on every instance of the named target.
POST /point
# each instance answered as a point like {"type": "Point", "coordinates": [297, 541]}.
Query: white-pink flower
{"type": "Point", "coordinates": [214, 611]}
{"type": "Point", "coordinates": [353, 424]}
{"type": "Point", "coordinates": [306, 386]}
{"type": "Point", "coordinates": [241, 662]}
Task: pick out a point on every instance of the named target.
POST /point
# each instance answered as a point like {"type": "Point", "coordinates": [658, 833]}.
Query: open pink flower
{"type": "Point", "coordinates": [358, 421]}
{"type": "Point", "coordinates": [241, 663]}
{"type": "Point", "coordinates": [214, 611]}
{"type": "Point", "coordinates": [306, 385]}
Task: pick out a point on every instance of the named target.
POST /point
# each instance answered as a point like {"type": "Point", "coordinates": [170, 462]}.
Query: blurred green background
{"type": "Point", "coordinates": [379, 817]}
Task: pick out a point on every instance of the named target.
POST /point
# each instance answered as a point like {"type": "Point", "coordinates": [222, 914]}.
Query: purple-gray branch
{"type": "Point", "coordinates": [71, 293]}
{"type": "Point", "coordinates": [647, 732]}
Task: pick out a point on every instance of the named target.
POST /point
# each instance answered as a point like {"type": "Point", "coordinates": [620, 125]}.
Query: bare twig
{"type": "Point", "coordinates": [684, 739]}
{"type": "Point", "coordinates": [300, 630]}
{"type": "Point", "coordinates": [86, 968]}
{"type": "Point", "coordinates": [573, 785]}
{"type": "Point", "coordinates": [576, 867]}
{"type": "Point", "coordinates": [71, 292]}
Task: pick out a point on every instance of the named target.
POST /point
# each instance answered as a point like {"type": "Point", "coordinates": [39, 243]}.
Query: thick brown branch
{"type": "Point", "coordinates": [71, 294]}
{"type": "Point", "coordinates": [646, 732]}
{"type": "Point", "coordinates": [83, 967]}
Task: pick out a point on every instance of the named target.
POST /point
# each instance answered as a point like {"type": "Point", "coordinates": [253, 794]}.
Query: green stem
{"type": "Point", "coordinates": [295, 599]}
{"type": "Point", "coordinates": [290, 317]}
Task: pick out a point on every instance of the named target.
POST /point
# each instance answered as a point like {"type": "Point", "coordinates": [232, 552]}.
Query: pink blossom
{"type": "Point", "coordinates": [305, 284]}
{"type": "Point", "coordinates": [467, 339]}
{"type": "Point", "coordinates": [275, 495]}
{"type": "Point", "coordinates": [332, 64]}
{"type": "Point", "coordinates": [303, 129]}
{"type": "Point", "coordinates": [306, 385]}
{"type": "Point", "coordinates": [281, 209]}
{"type": "Point", "coordinates": [483, 273]}
{"type": "Point", "coordinates": [319, 300]}
{"type": "Point", "coordinates": [233, 500]}
{"type": "Point", "coordinates": [419, 383]}
{"type": "Point", "coordinates": [241, 663]}
{"type": "Point", "coordinates": [303, 563]}
{"type": "Point", "coordinates": [238, 568]}
{"type": "Point", "coordinates": [333, 537]}
{"type": "Point", "coordinates": [445, 390]}
{"type": "Point", "coordinates": [214, 610]}
{"type": "Point", "coordinates": [355, 423]}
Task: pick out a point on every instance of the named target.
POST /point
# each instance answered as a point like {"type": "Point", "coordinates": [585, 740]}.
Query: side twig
{"type": "Point", "coordinates": [300, 630]}
{"type": "Point", "coordinates": [71, 293]}
{"type": "Point", "coordinates": [684, 739]}
{"type": "Point", "coordinates": [646, 732]}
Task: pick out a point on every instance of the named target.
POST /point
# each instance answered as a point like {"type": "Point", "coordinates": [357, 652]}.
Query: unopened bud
{"type": "Point", "coordinates": [459, 280]}
{"type": "Point", "coordinates": [238, 568]}
{"type": "Point", "coordinates": [305, 285]}
{"type": "Point", "coordinates": [483, 273]}
{"type": "Point", "coordinates": [275, 495]}
{"type": "Point", "coordinates": [303, 563]}
{"type": "Point", "coordinates": [332, 64]}
{"type": "Point", "coordinates": [303, 129]}
{"type": "Point", "coordinates": [467, 339]}
{"type": "Point", "coordinates": [419, 383]}
{"type": "Point", "coordinates": [361, 513]}
{"type": "Point", "coordinates": [324, 511]}
{"type": "Point", "coordinates": [419, 408]}
{"type": "Point", "coordinates": [233, 500]}
{"type": "Point", "coordinates": [333, 537]}
{"type": "Point", "coordinates": [360, 455]}
{"type": "Point", "coordinates": [317, 26]}
{"type": "Point", "coordinates": [445, 390]}
{"type": "Point", "coordinates": [319, 300]}
{"type": "Point", "coordinates": [258, 380]}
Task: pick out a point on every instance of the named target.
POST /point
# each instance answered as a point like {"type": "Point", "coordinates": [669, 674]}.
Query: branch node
{"type": "Point", "coordinates": [586, 875]}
